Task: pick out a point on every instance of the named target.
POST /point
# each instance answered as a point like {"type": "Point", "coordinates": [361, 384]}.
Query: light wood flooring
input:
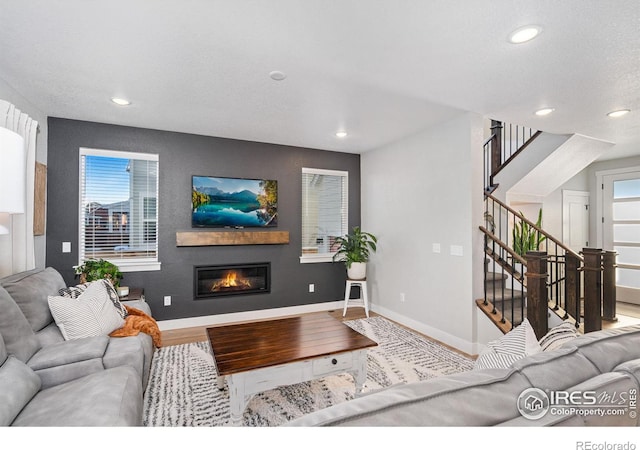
{"type": "Point", "coordinates": [626, 314]}
{"type": "Point", "coordinates": [198, 334]}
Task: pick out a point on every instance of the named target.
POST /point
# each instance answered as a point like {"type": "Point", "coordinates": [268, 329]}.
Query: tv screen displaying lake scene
{"type": "Point", "coordinates": [221, 202]}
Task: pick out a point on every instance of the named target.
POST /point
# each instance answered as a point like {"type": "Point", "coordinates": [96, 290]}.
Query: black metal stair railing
{"type": "Point", "coordinates": [505, 143]}
{"type": "Point", "coordinates": [579, 287]}
{"type": "Point", "coordinates": [506, 232]}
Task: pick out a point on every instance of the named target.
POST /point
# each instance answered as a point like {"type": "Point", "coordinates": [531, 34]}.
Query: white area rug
{"type": "Point", "coordinates": [182, 389]}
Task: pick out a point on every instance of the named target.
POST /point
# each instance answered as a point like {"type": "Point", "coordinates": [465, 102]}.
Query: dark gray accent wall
{"type": "Point", "coordinates": [180, 157]}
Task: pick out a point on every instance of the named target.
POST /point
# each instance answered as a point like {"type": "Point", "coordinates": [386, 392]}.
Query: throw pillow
{"type": "Point", "coordinates": [558, 335]}
{"type": "Point", "coordinates": [73, 291]}
{"type": "Point", "coordinates": [503, 352]}
{"type": "Point", "coordinates": [91, 314]}
{"type": "Point", "coordinates": [76, 291]}
{"type": "Point", "coordinates": [114, 297]}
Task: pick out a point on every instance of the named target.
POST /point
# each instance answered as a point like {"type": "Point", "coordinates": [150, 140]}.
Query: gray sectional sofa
{"type": "Point", "coordinates": [599, 371]}
{"type": "Point", "coordinates": [46, 380]}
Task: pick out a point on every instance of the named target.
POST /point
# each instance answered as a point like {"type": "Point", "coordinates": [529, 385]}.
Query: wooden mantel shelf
{"type": "Point", "coordinates": [230, 237]}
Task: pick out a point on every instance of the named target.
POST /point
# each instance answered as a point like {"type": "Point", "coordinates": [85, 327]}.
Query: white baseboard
{"type": "Point", "coordinates": [465, 346]}
{"type": "Point", "coordinates": [219, 319]}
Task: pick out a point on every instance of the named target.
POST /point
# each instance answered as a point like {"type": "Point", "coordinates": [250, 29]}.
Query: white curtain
{"type": "Point", "coordinates": [22, 240]}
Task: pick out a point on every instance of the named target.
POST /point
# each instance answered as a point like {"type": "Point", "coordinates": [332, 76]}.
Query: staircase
{"type": "Point", "coordinates": [528, 272]}
{"type": "Point", "coordinates": [502, 295]}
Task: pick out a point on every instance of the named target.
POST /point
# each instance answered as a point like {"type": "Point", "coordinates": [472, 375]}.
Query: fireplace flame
{"type": "Point", "coordinates": [230, 281]}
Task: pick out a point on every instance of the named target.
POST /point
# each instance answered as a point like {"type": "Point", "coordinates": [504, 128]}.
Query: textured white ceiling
{"type": "Point", "coordinates": [381, 69]}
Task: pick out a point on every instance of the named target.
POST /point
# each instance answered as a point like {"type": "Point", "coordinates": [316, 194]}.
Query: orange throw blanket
{"type": "Point", "coordinates": [137, 321]}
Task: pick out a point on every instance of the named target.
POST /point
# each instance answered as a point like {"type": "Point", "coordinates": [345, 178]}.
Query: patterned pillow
{"type": "Point", "coordinates": [73, 291]}
{"type": "Point", "coordinates": [503, 352]}
{"type": "Point", "coordinates": [114, 297]}
{"type": "Point", "coordinates": [91, 314]}
{"type": "Point", "coordinates": [558, 335]}
{"type": "Point", "coordinates": [76, 291]}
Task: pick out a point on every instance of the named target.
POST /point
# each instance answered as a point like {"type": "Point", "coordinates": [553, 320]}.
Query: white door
{"type": "Point", "coordinates": [575, 219]}
{"type": "Point", "coordinates": [621, 231]}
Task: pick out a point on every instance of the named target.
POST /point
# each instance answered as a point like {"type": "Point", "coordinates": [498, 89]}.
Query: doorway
{"type": "Point", "coordinates": [621, 230]}
{"type": "Point", "coordinates": [575, 219]}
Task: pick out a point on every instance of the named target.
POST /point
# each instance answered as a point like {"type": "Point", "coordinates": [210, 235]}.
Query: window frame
{"type": "Point", "coordinates": [306, 258]}
{"type": "Point", "coordinates": [139, 264]}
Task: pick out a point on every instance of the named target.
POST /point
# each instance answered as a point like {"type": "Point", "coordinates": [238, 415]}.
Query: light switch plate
{"type": "Point", "coordinates": [66, 247]}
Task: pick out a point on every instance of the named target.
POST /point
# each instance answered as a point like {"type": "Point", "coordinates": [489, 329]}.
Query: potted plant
{"type": "Point", "coordinates": [527, 238]}
{"type": "Point", "coordinates": [96, 269]}
{"type": "Point", "coordinates": [354, 249]}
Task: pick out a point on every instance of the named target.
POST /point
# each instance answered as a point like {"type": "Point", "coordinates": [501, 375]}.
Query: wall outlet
{"type": "Point", "coordinates": [402, 298]}
{"type": "Point", "coordinates": [167, 300]}
{"type": "Point", "coordinates": [312, 287]}
{"type": "Point", "coordinates": [435, 247]}
{"type": "Point", "coordinates": [66, 247]}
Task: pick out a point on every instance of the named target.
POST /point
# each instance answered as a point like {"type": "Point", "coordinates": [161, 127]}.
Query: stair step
{"type": "Point", "coordinates": [497, 316]}
{"type": "Point", "coordinates": [506, 265]}
{"type": "Point", "coordinates": [507, 294]}
{"type": "Point", "coordinates": [491, 276]}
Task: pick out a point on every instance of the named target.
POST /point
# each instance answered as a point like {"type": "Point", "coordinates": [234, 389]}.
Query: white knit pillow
{"type": "Point", "coordinates": [91, 314]}
{"type": "Point", "coordinates": [503, 352]}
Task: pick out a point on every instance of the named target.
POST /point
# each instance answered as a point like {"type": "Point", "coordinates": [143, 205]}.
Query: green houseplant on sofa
{"type": "Point", "coordinates": [96, 269]}
{"type": "Point", "coordinates": [354, 249]}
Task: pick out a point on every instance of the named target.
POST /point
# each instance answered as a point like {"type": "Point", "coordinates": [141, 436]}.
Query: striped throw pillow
{"type": "Point", "coordinates": [503, 352]}
{"type": "Point", "coordinates": [91, 314]}
{"type": "Point", "coordinates": [558, 335]}
{"type": "Point", "coordinates": [76, 291]}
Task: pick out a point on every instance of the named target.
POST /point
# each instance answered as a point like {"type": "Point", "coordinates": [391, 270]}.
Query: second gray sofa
{"type": "Point", "coordinates": [604, 364]}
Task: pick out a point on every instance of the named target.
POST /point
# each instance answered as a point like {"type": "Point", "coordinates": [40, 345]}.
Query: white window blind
{"type": "Point", "coordinates": [325, 206]}
{"type": "Point", "coordinates": [119, 208]}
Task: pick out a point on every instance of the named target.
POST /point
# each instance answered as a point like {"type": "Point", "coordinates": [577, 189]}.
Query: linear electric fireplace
{"type": "Point", "coordinates": [231, 279]}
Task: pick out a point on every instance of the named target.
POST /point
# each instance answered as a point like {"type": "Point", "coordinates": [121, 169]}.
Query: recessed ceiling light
{"type": "Point", "coordinates": [277, 75]}
{"type": "Point", "coordinates": [618, 113]}
{"type": "Point", "coordinates": [120, 101]}
{"type": "Point", "coordinates": [524, 34]}
{"type": "Point", "coordinates": [341, 134]}
{"type": "Point", "coordinates": [544, 111]}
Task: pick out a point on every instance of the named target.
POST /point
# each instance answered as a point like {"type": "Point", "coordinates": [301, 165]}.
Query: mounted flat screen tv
{"type": "Point", "coordinates": [222, 202]}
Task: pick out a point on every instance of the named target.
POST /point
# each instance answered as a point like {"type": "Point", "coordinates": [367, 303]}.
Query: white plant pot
{"type": "Point", "coordinates": [357, 271]}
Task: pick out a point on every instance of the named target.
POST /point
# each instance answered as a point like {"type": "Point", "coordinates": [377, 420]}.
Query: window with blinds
{"type": "Point", "coordinates": [119, 208]}
{"type": "Point", "coordinates": [325, 207]}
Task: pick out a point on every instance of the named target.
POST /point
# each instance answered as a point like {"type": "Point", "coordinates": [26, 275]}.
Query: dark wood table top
{"type": "Point", "coordinates": [247, 346]}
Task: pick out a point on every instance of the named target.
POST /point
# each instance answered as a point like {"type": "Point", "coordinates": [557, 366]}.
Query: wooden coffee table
{"type": "Point", "coordinates": [257, 356]}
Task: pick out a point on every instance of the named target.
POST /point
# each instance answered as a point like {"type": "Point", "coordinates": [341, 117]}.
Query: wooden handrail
{"type": "Point", "coordinates": [517, 152]}
{"type": "Point", "coordinates": [535, 227]}
{"type": "Point", "coordinates": [504, 246]}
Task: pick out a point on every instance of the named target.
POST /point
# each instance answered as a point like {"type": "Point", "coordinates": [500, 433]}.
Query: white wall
{"type": "Point", "coordinates": [552, 204]}
{"type": "Point", "coordinates": [9, 94]}
{"type": "Point", "coordinates": [421, 191]}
